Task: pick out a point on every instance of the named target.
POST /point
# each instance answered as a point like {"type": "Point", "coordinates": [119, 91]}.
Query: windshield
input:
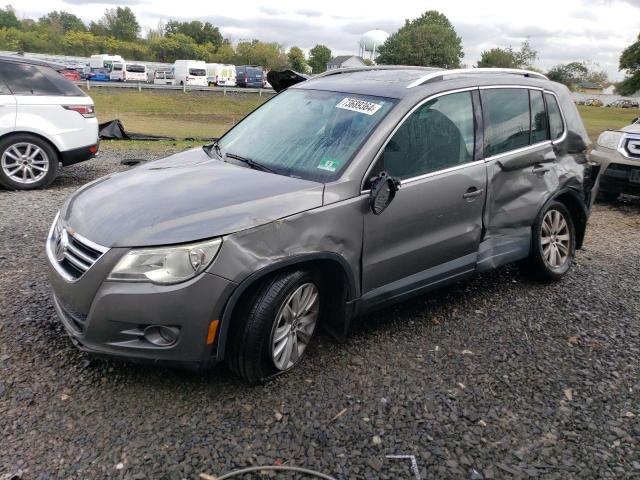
{"type": "Point", "coordinates": [312, 134]}
{"type": "Point", "coordinates": [136, 68]}
{"type": "Point", "coordinates": [197, 72]}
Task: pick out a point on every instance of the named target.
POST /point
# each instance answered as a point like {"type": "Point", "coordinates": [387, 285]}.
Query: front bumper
{"type": "Point", "coordinates": [107, 317]}
{"type": "Point", "coordinates": [619, 174]}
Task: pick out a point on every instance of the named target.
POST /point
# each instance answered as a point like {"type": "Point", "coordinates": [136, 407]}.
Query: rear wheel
{"type": "Point", "coordinates": [553, 243]}
{"type": "Point", "coordinates": [27, 162]}
{"type": "Point", "coordinates": [272, 333]}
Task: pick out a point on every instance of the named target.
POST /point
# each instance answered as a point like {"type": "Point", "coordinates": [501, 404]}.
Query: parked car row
{"type": "Point", "coordinates": [620, 103]}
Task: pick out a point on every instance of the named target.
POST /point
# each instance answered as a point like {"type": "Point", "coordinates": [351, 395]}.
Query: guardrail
{"type": "Point", "coordinates": [185, 88]}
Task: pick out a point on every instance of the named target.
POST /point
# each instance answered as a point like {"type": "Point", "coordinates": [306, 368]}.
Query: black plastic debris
{"type": "Point", "coordinates": [114, 130]}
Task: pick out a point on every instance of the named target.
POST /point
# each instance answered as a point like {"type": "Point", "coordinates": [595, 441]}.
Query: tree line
{"type": "Point", "coordinates": [429, 40]}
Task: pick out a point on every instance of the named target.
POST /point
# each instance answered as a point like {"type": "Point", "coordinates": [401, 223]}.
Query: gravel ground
{"type": "Point", "coordinates": [495, 377]}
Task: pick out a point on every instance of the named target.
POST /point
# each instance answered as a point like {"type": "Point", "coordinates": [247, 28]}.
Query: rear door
{"type": "Point", "coordinates": [7, 109]}
{"type": "Point", "coordinates": [431, 230]}
{"type": "Point", "coordinates": [521, 163]}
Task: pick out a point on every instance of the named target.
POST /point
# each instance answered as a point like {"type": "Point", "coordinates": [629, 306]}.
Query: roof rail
{"type": "Point", "coordinates": [337, 71]}
{"type": "Point", "coordinates": [440, 74]}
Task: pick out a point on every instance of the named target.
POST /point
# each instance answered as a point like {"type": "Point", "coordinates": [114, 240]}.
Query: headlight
{"type": "Point", "coordinates": [610, 139]}
{"type": "Point", "coordinates": [166, 265]}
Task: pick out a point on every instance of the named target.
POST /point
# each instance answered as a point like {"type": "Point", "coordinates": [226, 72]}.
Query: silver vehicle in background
{"type": "Point", "coordinates": [344, 193]}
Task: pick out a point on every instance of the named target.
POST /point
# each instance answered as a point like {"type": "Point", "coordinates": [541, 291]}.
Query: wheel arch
{"type": "Point", "coordinates": [35, 134]}
{"type": "Point", "coordinates": [571, 199]}
{"type": "Point", "coordinates": [326, 262]}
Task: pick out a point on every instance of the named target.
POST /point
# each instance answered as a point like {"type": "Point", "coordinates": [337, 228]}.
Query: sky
{"type": "Point", "coordinates": [561, 31]}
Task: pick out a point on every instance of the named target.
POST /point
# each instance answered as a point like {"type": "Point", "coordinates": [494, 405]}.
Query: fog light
{"type": "Point", "coordinates": [161, 336]}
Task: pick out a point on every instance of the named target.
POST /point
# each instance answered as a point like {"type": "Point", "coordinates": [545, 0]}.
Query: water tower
{"type": "Point", "coordinates": [370, 43]}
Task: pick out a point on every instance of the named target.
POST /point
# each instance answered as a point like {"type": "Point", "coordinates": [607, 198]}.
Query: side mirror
{"type": "Point", "coordinates": [383, 191]}
{"type": "Point", "coordinates": [636, 120]}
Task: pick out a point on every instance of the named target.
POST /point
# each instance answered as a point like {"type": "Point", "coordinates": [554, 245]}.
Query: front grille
{"type": "Point", "coordinates": [70, 253]}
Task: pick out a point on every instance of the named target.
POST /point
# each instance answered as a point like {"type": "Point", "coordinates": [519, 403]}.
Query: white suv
{"type": "Point", "coordinates": [44, 120]}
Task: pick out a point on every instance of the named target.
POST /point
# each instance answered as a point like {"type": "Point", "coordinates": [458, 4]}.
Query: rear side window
{"type": "Point", "coordinates": [539, 124]}
{"type": "Point", "coordinates": [507, 119]}
{"type": "Point", "coordinates": [440, 134]}
{"type": "Point", "coordinates": [556, 126]}
{"type": "Point", "coordinates": [25, 79]}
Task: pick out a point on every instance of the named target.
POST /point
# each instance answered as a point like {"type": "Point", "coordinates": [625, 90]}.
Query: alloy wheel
{"type": "Point", "coordinates": [294, 326]}
{"type": "Point", "coordinates": [25, 163]}
{"type": "Point", "coordinates": [555, 239]}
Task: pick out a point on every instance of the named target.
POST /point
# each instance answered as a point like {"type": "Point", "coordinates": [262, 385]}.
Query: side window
{"type": "Point", "coordinates": [556, 126]}
{"type": "Point", "coordinates": [506, 119]}
{"type": "Point", "coordinates": [24, 79]}
{"type": "Point", "coordinates": [439, 134]}
{"type": "Point", "coordinates": [539, 123]}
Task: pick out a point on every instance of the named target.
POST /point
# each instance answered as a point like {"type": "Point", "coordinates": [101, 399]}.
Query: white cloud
{"type": "Point", "coordinates": [562, 31]}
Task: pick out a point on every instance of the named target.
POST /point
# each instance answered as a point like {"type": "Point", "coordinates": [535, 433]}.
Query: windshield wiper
{"type": "Point", "coordinates": [252, 163]}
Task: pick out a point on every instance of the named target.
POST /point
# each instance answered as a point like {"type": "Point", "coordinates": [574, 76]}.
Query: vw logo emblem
{"type": "Point", "coordinates": [61, 245]}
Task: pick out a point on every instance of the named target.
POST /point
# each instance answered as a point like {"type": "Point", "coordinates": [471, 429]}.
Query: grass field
{"type": "Point", "coordinates": [598, 119]}
{"type": "Point", "coordinates": [205, 114]}
{"type": "Point", "coordinates": [176, 114]}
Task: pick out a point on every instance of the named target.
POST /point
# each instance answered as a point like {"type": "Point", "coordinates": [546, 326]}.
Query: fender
{"type": "Point", "coordinates": [580, 203]}
{"type": "Point", "coordinates": [279, 265]}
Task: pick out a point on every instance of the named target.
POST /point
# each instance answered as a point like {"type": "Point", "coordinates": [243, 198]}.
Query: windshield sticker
{"type": "Point", "coordinates": [360, 106]}
{"type": "Point", "coordinates": [328, 164]}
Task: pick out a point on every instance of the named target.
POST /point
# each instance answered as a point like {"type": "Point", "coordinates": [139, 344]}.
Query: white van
{"type": "Point", "coordinates": [117, 72]}
{"type": "Point", "coordinates": [134, 72]}
{"type": "Point", "coordinates": [105, 61]}
{"type": "Point", "coordinates": [221, 75]}
{"type": "Point", "coordinates": [163, 77]}
{"type": "Point", "coordinates": [190, 72]}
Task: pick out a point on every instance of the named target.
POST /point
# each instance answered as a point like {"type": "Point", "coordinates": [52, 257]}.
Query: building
{"type": "Point", "coordinates": [345, 61]}
{"type": "Point", "coordinates": [589, 88]}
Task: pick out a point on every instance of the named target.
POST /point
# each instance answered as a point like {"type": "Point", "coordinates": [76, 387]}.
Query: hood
{"type": "Point", "coordinates": [633, 128]}
{"type": "Point", "coordinates": [183, 198]}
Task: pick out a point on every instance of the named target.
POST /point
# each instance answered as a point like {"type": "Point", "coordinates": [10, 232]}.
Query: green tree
{"type": "Point", "coordinates": [201, 33]}
{"type": "Point", "coordinates": [569, 74]}
{"type": "Point", "coordinates": [67, 22]}
{"type": "Point", "coordinates": [428, 40]}
{"type": "Point", "coordinates": [319, 56]}
{"type": "Point", "coordinates": [121, 23]}
{"type": "Point", "coordinates": [297, 60]}
{"type": "Point", "coordinates": [508, 57]}
{"type": "Point", "coordinates": [630, 62]}
{"type": "Point", "coordinates": [8, 18]}
{"type": "Point", "coordinates": [497, 57]}
{"type": "Point", "coordinates": [269, 55]}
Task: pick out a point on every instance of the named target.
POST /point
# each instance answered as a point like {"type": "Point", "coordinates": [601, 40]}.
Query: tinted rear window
{"type": "Point", "coordinates": [136, 68]}
{"type": "Point", "coordinates": [539, 124]}
{"type": "Point", "coordinates": [507, 119]}
{"type": "Point", "coordinates": [555, 117]}
{"type": "Point", "coordinates": [24, 79]}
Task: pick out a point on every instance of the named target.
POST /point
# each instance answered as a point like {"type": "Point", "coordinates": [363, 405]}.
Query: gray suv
{"type": "Point", "coordinates": [344, 193]}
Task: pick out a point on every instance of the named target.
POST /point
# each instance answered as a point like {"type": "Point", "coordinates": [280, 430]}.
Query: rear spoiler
{"type": "Point", "coordinates": [284, 79]}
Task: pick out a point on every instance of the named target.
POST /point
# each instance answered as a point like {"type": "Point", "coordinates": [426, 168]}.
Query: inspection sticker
{"type": "Point", "coordinates": [360, 106]}
{"type": "Point", "coordinates": [328, 164]}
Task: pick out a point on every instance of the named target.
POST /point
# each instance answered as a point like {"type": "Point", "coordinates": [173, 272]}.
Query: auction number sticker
{"type": "Point", "coordinates": [360, 106]}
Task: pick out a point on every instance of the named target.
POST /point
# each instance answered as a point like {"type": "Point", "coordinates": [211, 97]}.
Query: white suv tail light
{"type": "Point", "coordinates": [87, 111]}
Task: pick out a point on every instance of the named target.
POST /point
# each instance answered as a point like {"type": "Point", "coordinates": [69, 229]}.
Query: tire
{"type": "Point", "coordinates": [553, 245]}
{"type": "Point", "coordinates": [604, 196]}
{"type": "Point", "coordinates": [255, 352]}
{"type": "Point", "coordinates": [27, 162]}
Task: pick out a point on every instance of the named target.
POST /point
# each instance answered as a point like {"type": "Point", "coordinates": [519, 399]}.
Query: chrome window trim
{"type": "Point", "coordinates": [560, 139]}
{"type": "Point", "coordinates": [397, 127]}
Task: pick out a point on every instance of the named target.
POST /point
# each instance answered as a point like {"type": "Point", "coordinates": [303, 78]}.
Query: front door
{"type": "Point", "coordinates": [431, 230]}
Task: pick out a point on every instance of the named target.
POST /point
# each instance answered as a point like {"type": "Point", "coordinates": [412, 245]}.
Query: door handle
{"type": "Point", "coordinates": [540, 169]}
{"type": "Point", "coordinates": [472, 192]}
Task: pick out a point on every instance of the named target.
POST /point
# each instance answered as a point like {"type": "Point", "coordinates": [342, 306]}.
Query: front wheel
{"type": "Point", "coordinates": [27, 162]}
{"type": "Point", "coordinates": [272, 333]}
{"type": "Point", "coordinates": [553, 243]}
